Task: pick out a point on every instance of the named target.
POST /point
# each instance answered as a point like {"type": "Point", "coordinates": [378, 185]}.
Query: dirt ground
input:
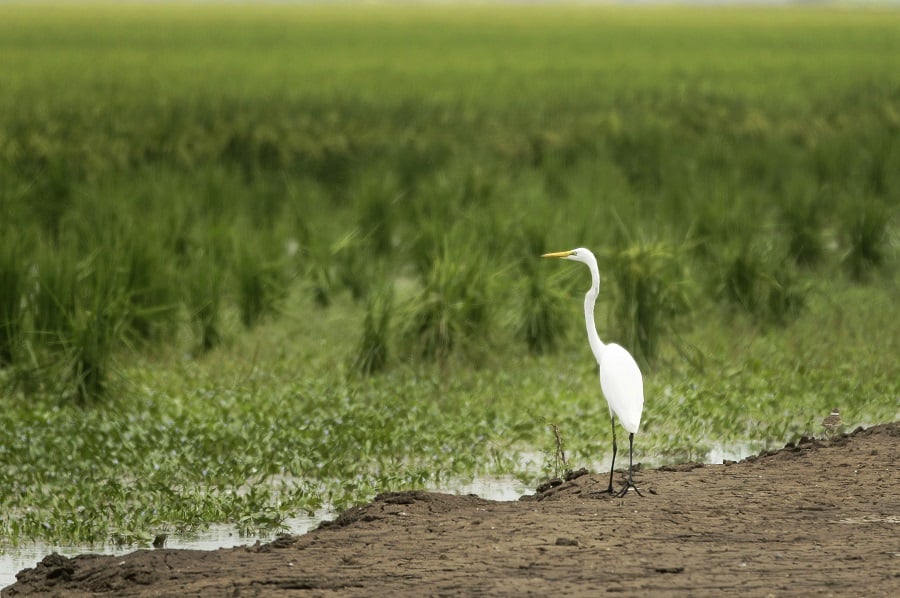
{"type": "Point", "coordinates": [821, 517]}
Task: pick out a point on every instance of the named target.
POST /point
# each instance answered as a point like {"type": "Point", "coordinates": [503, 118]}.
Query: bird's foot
{"type": "Point", "coordinates": [624, 490]}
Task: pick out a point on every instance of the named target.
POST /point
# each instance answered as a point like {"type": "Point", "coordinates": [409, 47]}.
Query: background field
{"type": "Point", "coordinates": [259, 260]}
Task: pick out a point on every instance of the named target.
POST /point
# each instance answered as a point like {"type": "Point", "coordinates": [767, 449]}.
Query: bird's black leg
{"type": "Point", "coordinates": [612, 466]}
{"type": "Point", "coordinates": [630, 482]}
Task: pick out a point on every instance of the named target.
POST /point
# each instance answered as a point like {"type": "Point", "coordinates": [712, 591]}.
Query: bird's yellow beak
{"type": "Point", "coordinates": [558, 254]}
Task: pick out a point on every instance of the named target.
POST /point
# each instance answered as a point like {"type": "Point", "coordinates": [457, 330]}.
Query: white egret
{"type": "Point", "coordinates": [620, 377]}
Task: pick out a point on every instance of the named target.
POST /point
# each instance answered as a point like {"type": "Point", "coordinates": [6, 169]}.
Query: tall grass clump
{"type": "Point", "coordinates": [802, 218]}
{"type": "Point", "coordinates": [260, 279]}
{"type": "Point", "coordinates": [356, 268]}
{"type": "Point", "coordinates": [319, 271]}
{"type": "Point", "coordinates": [450, 312]}
{"type": "Point", "coordinates": [719, 216]}
{"type": "Point", "coordinates": [542, 311]}
{"type": "Point", "coordinates": [92, 329]}
{"type": "Point", "coordinates": [203, 287]}
{"type": "Point", "coordinates": [426, 244]}
{"type": "Point", "coordinates": [373, 351]}
{"type": "Point", "coordinates": [13, 284]}
{"type": "Point", "coordinates": [89, 345]}
{"type": "Point", "coordinates": [51, 192]}
{"type": "Point", "coordinates": [864, 228]}
{"type": "Point", "coordinates": [650, 294]}
{"type": "Point", "coordinates": [151, 289]}
{"type": "Point", "coordinates": [344, 264]}
{"type": "Point", "coordinates": [377, 213]}
{"type": "Point", "coordinates": [762, 281]}
{"type": "Point", "coordinates": [53, 298]}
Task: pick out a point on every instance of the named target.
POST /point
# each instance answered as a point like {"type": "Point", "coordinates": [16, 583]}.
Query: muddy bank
{"type": "Point", "coordinates": [818, 517]}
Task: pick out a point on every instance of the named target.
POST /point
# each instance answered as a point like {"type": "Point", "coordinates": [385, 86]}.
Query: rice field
{"type": "Point", "coordinates": [259, 261]}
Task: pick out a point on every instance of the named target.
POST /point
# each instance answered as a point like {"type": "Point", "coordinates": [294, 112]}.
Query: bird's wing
{"type": "Point", "coordinates": [623, 386]}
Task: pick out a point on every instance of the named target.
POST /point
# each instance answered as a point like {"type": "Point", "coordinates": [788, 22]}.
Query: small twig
{"type": "Point", "coordinates": [560, 449]}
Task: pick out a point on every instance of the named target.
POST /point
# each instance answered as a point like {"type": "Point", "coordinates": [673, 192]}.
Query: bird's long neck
{"type": "Point", "coordinates": [590, 299]}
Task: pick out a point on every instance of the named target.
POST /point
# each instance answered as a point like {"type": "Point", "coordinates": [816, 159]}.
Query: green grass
{"type": "Point", "coordinates": [374, 349]}
{"type": "Point", "coordinates": [13, 282]}
{"type": "Point", "coordinates": [257, 261]}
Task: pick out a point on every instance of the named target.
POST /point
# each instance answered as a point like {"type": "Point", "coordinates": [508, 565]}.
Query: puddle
{"type": "Point", "coordinates": [736, 451]}
{"type": "Point", "coordinates": [504, 488]}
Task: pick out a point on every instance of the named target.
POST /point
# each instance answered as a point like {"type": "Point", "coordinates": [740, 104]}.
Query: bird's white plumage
{"type": "Point", "coordinates": [620, 377]}
{"type": "Point", "coordinates": [623, 386]}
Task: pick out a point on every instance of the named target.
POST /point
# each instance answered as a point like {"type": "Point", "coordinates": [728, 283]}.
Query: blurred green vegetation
{"type": "Point", "coordinates": [256, 260]}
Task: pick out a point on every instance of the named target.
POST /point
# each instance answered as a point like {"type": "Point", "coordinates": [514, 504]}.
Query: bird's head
{"type": "Point", "coordinates": [577, 255]}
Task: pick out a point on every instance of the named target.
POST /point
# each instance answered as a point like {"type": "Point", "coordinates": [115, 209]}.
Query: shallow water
{"type": "Point", "coordinates": [504, 488]}
{"type": "Point", "coordinates": [218, 536]}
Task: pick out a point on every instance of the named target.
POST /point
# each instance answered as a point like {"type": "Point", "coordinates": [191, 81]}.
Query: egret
{"type": "Point", "coordinates": [620, 377]}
